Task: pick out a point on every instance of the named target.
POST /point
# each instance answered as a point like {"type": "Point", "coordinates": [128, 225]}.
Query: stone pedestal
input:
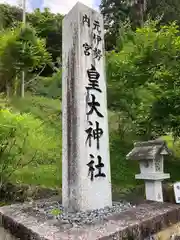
{"type": "Point", "coordinates": [25, 221]}
{"type": "Point", "coordinates": [4, 235]}
{"type": "Point", "coordinates": [86, 162]}
{"type": "Point", "coordinates": [153, 185]}
{"type": "Point", "coordinates": [153, 191]}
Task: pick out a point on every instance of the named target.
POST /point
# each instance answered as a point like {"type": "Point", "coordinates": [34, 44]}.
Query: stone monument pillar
{"type": "Point", "coordinates": [86, 178]}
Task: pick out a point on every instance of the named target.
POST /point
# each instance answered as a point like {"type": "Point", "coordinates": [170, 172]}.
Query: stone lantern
{"type": "Point", "coordinates": [150, 155]}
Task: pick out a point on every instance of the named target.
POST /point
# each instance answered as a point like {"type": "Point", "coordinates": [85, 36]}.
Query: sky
{"type": "Point", "coordinates": [56, 6]}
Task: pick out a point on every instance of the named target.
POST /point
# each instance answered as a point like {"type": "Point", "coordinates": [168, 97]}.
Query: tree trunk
{"type": "Point", "coordinates": [140, 8]}
{"type": "Point", "coordinates": [8, 89]}
{"type": "Point", "coordinates": [15, 87]}
{"type": "Point", "coordinates": [22, 84]}
{"type": "Point", "coordinates": [174, 141]}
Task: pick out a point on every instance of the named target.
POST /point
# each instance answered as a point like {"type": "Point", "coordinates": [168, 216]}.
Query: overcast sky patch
{"type": "Point", "coordinates": [56, 6]}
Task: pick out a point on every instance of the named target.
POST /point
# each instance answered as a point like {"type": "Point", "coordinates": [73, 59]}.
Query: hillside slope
{"type": "Point", "coordinates": [46, 171]}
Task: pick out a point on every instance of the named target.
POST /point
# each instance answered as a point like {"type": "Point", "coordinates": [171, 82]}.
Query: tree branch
{"type": "Point", "coordinates": [36, 76]}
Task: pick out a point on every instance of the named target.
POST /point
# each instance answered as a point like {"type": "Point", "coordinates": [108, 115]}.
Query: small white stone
{"type": "Point", "coordinates": [177, 192]}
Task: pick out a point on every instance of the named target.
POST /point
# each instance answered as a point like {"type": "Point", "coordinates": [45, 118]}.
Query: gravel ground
{"type": "Point", "coordinates": [56, 211]}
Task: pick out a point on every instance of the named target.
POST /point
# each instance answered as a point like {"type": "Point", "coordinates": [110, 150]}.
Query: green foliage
{"type": "Point", "coordinates": [122, 170]}
{"type": "Point", "coordinates": [143, 90]}
{"type": "Point", "coordinates": [22, 141]}
{"type": "Point", "coordinates": [142, 75]}
{"type": "Point", "coordinates": [33, 154]}
{"type": "Point", "coordinates": [9, 15]}
{"type": "Point", "coordinates": [137, 12]}
{"type": "Point", "coordinates": [46, 169]}
{"type": "Point", "coordinates": [48, 175]}
{"type": "Point", "coordinates": [23, 125]}
{"type": "Point", "coordinates": [114, 12]}
{"type": "Point", "coordinates": [20, 49]}
{"type": "Point", "coordinates": [48, 112]}
{"type": "Point", "coordinates": [49, 26]}
{"type": "Point", "coordinates": [56, 211]}
{"type": "Point", "coordinates": [49, 87]}
{"type": "Point", "coordinates": [168, 10]}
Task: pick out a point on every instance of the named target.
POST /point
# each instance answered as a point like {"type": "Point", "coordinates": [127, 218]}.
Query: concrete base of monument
{"type": "Point", "coordinates": [27, 221]}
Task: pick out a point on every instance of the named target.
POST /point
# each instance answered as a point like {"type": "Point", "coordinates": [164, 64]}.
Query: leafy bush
{"type": "Point", "coordinates": [14, 41]}
{"type": "Point", "coordinates": [143, 80]}
{"type": "Point", "coordinates": [49, 87]}
{"type": "Point", "coordinates": [45, 109]}
{"type": "Point", "coordinates": [23, 141]}
{"type": "Point", "coordinates": [122, 170]}
{"type": "Point", "coordinates": [24, 125]}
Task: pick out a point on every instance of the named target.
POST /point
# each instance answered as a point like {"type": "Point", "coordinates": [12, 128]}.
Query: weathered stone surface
{"type": "Point", "coordinates": [4, 235]}
{"type": "Point", "coordinates": [170, 233]}
{"type": "Point", "coordinates": [86, 165]}
{"type": "Point", "coordinates": [177, 192]}
{"type": "Point", "coordinates": [150, 155]}
{"type": "Point", "coordinates": [148, 150]}
{"type": "Point", "coordinates": [139, 223]}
